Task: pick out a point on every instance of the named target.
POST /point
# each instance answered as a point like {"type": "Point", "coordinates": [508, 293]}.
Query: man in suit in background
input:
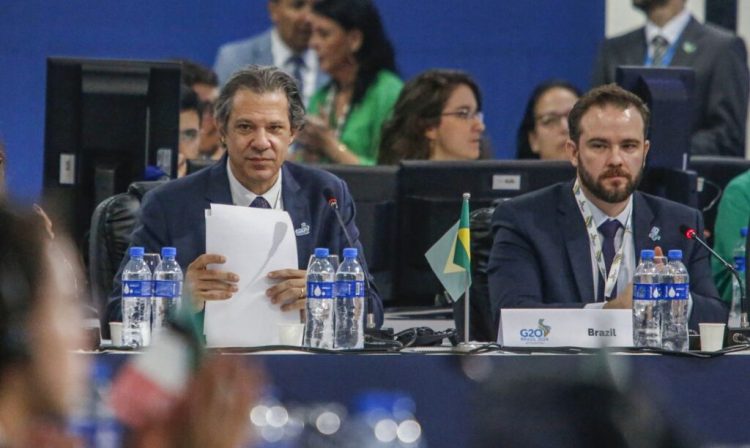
{"type": "Point", "coordinates": [285, 45]}
{"type": "Point", "coordinates": [672, 37]}
{"type": "Point", "coordinates": [576, 244]}
{"type": "Point", "coordinates": [259, 112]}
{"type": "Point", "coordinates": [205, 84]}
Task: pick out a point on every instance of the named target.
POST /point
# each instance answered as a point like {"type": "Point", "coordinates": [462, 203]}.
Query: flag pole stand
{"type": "Point", "coordinates": [466, 345]}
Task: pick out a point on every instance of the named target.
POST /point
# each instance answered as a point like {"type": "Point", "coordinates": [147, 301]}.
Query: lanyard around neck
{"type": "Point", "coordinates": [596, 243]}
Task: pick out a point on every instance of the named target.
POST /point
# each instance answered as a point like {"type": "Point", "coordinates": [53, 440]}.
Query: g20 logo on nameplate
{"type": "Point", "coordinates": [536, 335]}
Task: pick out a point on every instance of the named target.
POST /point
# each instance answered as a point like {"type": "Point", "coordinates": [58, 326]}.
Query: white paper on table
{"type": "Point", "coordinates": [255, 242]}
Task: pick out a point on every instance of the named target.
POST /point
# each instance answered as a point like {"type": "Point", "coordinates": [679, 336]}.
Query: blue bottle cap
{"type": "Point", "coordinates": [136, 251]}
{"type": "Point", "coordinates": [675, 254]}
{"type": "Point", "coordinates": [743, 232]}
{"type": "Point", "coordinates": [321, 252]}
{"type": "Point", "coordinates": [170, 252]}
{"type": "Point", "coordinates": [647, 254]}
{"type": "Point", "coordinates": [350, 252]}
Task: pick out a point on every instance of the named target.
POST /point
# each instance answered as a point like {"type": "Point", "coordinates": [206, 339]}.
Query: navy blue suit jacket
{"type": "Point", "coordinates": [541, 255]}
{"type": "Point", "coordinates": [174, 215]}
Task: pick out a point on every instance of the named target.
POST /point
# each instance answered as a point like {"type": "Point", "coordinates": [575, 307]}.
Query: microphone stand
{"type": "Point", "coordinates": [370, 327]}
{"type": "Point", "coordinates": [735, 335]}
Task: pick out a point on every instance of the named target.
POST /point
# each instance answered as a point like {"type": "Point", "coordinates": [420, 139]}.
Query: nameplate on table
{"type": "Point", "coordinates": [544, 327]}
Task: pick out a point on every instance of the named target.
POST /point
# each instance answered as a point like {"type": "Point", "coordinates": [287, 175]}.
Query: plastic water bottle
{"type": "Point", "coordinates": [319, 322]}
{"type": "Point", "coordinates": [674, 318]}
{"type": "Point", "coordinates": [167, 288]}
{"type": "Point", "coordinates": [136, 301]}
{"type": "Point", "coordinates": [740, 265]}
{"type": "Point", "coordinates": [647, 290]}
{"type": "Point", "coordinates": [350, 302]}
{"type": "Point", "coordinates": [92, 419]}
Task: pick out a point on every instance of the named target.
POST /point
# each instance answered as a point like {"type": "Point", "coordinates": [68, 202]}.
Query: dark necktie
{"type": "Point", "coordinates": [259, 202]}
{"type": "Point", "coordinates": [660, 46]}
{"type": "Point", "coordinates": [608, 229]}
{"type": "Point", "coordinates": [297, 64]}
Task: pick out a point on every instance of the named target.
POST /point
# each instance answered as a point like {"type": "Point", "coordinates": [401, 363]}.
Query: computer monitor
{"type": "Point", "coordinates": [429, 203]}
{"type": "Point", "coordinates": [669, 93]}
{"type": "Point", "coordinates": [105, 121]}
{"type": "Point", "coordinates": [373, 189]}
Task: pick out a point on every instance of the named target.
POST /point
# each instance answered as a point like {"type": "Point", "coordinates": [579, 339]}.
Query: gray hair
{"type": "Point", "coordinates": [260, 79]}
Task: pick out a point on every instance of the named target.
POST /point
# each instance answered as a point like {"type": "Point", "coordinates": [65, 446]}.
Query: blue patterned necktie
{"type": "Point", "coordinates": [608, 229]}
{"type": "Point", "coordinates": [297, 64]}
{"type": "Point", "coordinates": [259, 202]}
{"type": "Point", "coordinates": [660, 46]}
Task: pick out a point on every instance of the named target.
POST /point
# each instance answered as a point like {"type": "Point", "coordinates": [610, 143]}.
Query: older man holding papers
{"type": "Point", "coordinates": [259, 113]}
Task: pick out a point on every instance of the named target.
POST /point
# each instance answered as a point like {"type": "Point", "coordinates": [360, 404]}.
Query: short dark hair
{"type": "Point", "coordinates": [260, 79]}
{"type": "Point", "coordinates": [606, 95]}
{"type": "Point", "coordinates": [23, 268]}
{"type": "Point", "coordinates": [195, 73]}
{"type": "Point", "coordinates": [523, 147]}
{"type": "Point", "coordinates": [418, 108]}
{"type": "Point", "coordinates": [189, 101]}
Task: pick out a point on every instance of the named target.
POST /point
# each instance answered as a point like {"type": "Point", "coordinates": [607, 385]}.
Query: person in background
{"type": "Point", "coordinates": [544, 128]}
{"type": "Point", "coordinates": [438, 116]}
{"type": "Point", "coordinates": [734, 214]}
{"type": "Point", "coordinates": [285, 45]}
{"type": "Point", "coordinates": [347, 114]}
{"type": "Point", "coordinates": [190, 125]}
{"type": "Point", "coordinates": [673, 38]}
{"type": "Point", "coordinates": [205, 84]}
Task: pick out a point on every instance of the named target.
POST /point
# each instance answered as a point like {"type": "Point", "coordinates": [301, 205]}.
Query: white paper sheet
{"type": "Point", "coordinates": [255, 242]}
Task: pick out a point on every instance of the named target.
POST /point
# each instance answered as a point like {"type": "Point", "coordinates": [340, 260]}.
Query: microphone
{"type": "Point", "coordinates": [334, 204]}
{"type": "Point", "coordinates": [738, 337]}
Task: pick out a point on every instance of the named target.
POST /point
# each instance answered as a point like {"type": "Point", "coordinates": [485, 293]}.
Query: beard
{"type": "Point", "coordinates": [648, 5]}
{"type": "Point", "coordinates": [609, 195]}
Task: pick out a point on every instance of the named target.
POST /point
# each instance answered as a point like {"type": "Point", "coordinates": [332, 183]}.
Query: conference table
{"type": "Point", "coordinates": [703, 397]}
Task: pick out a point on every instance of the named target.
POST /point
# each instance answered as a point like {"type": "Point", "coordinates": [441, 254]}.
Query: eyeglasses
{"type": "Point", "coordinates": [188, 135]}
{"type": "Point", "coordinates": [551, 119]}
{"type": "Point", "coordinates": [466, 115]}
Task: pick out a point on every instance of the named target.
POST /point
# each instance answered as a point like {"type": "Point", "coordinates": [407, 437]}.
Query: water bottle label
{"type": "Point", "coordinates": [739, 263]}
{"type": "Point", "coordinates": [349, 289]}
{"type": "Point", "coordinates": [677, 291]}
{"type": "Point", "coordinates": [319, 290]}
{"type": "Point", "coordinates": [136, 288]}
{"type": "Point", "coordinates": [647, 291]}
{"type": "Point", "coordinates": [168, 289]}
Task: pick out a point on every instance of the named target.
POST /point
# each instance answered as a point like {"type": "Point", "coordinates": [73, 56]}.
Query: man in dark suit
{"type": "Point", "coordinates": [575, 245]}
{"type": "Point", "coordinates": [672, 37]}
{"type": "Point", "coordinates": [259, 112]}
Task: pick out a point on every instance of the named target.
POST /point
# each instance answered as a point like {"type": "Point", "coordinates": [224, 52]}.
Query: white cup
{"type": "Point", "coordinates": [291, 334]}
{"type": "Point", "coordinates": [712, 337]}
{"type": "Point", "coordinates": [115, 333]}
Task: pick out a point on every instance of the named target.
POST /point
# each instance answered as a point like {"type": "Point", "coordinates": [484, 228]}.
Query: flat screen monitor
{"type": "Point", "coordinates": [373, 189]}
{"type": "Point", "coordinates": [429, 203]}
{"type": "Point", "coordinates": [105, 122]}
{"type": "Point", "coordinates": [669, 93]}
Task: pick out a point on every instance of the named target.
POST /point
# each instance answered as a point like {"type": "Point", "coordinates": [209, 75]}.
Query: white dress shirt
{"type": "Point", "coordinates": [670, 31]}
{"type": "Point", "coordinates": [281, 54]}
{"type": "Point", "coordinates": [243, 197]}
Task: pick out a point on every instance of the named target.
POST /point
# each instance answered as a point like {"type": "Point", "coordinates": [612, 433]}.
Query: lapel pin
{"type": "Point", "coordinates": [304, 229]}
{"type": "Point", "coordinates": [654, 234]}
{"type": "Point", "coordinates": [689, 47]}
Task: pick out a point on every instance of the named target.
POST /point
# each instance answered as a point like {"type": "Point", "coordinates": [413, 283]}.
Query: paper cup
{"type": "Point", "coordinates": [115, 332]}
{"type": "Point", "coordinates": [712, 337]}
{"type": "Point", "coordinates": [291, 334]}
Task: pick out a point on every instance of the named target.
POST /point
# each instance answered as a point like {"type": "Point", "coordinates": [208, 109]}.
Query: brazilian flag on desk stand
{"type": "Point", "coordinates": [450, 256]}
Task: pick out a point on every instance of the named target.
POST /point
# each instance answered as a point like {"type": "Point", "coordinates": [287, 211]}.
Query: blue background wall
{"type": "Point", "coordinates": [508, 45]}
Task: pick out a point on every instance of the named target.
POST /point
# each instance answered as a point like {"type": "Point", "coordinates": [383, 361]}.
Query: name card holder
{"type": "Point", "coordinates": [545, 327]}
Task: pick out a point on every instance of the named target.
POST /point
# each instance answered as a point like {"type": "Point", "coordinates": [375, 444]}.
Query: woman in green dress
{"type": "Point", "coordinates": [346, 115]}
